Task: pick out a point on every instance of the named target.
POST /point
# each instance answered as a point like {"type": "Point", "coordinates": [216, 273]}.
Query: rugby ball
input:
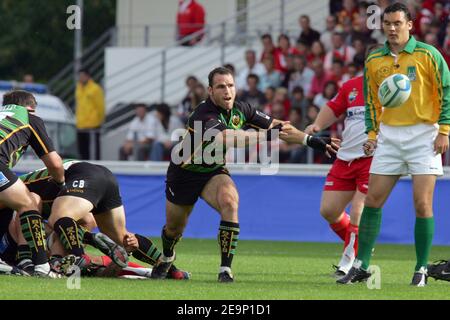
{"type": "Point", "coordinates": [394, 90]}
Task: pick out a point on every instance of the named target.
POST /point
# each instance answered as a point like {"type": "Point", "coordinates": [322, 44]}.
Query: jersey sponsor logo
{"type": "Point", "coordinates": [352, 95]}
{"type": "Point", "coordinates": [3, 180]}
{"type": "Point", "coordinates": [411, 73]}
{"type": "Point", "coordinates": [355, 113]}
{"type": "Point", "coordinates": [263, 115]}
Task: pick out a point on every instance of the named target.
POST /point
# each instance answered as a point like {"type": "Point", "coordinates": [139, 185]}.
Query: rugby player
{"type": "Point", "coordinates": [222, 119]}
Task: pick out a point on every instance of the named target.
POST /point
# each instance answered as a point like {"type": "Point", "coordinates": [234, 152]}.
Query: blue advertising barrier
{"type": "Point", "coordinates": [278, 208]}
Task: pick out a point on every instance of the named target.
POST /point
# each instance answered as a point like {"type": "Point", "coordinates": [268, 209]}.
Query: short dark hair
{"type": "Point", "coordinates": [266, 36]}
{"type": "Point", "coordinates": [372, 47]}
{"type": "Point", "coordinates": [19, 97]}
{"type": "Point", "coordinates": [86, 71]}
{"type": "Point", "coordinates": [218, 70]}
{"type": "Point", "coordinates": [395, 7]}
{"type": "Point", "coordinates": [253, 76]}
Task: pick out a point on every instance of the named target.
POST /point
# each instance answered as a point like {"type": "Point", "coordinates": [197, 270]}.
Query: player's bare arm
{"type": "Point", "coordinates": [54, 165]}
{"type": "Point", "coordinates": [324, 119]}
{"type": "Point", "coordinates": [292, 135]}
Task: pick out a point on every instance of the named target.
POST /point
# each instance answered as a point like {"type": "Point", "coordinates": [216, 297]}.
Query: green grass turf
{"type": "Point", "coordinates": [263, 270]}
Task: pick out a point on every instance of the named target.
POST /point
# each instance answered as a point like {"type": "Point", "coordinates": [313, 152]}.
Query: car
{"type": "Point", "coordinates": [58, 118]}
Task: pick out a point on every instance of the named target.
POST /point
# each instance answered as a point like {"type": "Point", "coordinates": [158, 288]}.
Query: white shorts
{"type": "Point", "coordinates": [403, 150]}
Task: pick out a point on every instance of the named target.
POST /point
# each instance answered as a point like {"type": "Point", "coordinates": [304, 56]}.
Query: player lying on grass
{"type": "Point", "coordinates": [100, 266]}
{"type": "Point", "coordinates": [90, 188]}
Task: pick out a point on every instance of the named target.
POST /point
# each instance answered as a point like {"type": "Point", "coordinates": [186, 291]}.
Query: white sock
{"type": "Point", "coordinates": [45, 267]}
{"type": "Point", "coordinates": [227, 269]}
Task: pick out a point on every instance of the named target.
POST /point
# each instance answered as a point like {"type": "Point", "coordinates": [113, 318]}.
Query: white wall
{"type": "Point", "coordinates": [134, 74]}
{"type": "Point", "coordinates": [161, 16]}
{"type": "Point", "coordinates": [133, 15]}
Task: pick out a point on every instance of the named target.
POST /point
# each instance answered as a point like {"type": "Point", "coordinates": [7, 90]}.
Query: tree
{"type": "Point", "coordinates": [36, 40]}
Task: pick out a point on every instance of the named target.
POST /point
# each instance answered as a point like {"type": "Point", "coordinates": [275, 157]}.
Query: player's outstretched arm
{"type": "Point", "coordinates": [325, 118]}
{"type": "Point", "coordinates": [54, 165]}
{"type": "Point", "coordinates": [292, 135]}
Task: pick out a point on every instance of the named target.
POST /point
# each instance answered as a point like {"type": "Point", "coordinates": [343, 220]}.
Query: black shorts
{"type": "Point", "coordinates": [8, 247]}
{"type": "Point", "coordinates": [183, 187]}
{"type": "Point", "coordinates": [7, 177]}
{"type": "Point", "coordinates": [94, 183]}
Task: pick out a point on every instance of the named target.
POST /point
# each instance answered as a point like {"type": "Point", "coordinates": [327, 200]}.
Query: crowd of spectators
{"type": "Point", "coordinates": [295, 75]}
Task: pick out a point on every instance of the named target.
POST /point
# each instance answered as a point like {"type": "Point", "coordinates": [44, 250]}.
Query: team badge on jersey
{"type": "Point", "coordinates": [411, 73]}
{"type": "Point", "coordinates": [352, 95]}
{"type": "Point", "coordinates": [235, 120]}
{"type": "Point", "coordinates": [3, 180]}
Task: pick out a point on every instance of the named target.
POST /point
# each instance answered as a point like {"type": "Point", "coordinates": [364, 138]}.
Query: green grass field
{"type": "Point", "coordinates": [263, 270]}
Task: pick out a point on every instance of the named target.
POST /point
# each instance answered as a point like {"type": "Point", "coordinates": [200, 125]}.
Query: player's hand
{"type": "Point", "coordinates": [325, 144]}
{"type": "Point", "coordinates": [312, 129]}
{"type": "Point", "coordinates": [130, 242]}
{"type": "Point", "coordinates": [441, 144]}
{"type": "Point", "coordinates": [290, 134]}
{"type": "Point", "coordinates": [369, 147]}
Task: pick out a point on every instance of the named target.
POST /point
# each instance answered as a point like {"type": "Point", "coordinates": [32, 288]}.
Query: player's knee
{"type": "Point", "coordinates": [26, 203]}
{"type": "Point", "coordinates": [373, 201]}
{"type": "Point", "coordinates": [327, 212]}
{"type": "Point", "coordinates": [423, 208]}
{"type": "Point", "coordinates": [229, 202]}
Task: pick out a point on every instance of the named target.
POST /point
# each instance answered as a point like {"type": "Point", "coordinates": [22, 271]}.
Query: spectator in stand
{"type": "Point", "coordinates": [301, 49]}
{"type": "Point", "coordinates": [200, 94]}
{"type": "Point", "coordinates": [269, 93]}
{"type": "Point", "coordinates": [446, 44]}
{"type": "Point", "coordinates": [90, 114]}
{"type": "Point", "coordinates": [335, 6]}
{"type": "Point", "coordinates": [360, 51]}
{"type": "Point", "coordinates": [166, 124]}
{"type": "Point", "coordinates": [319, 79]}
{"type": "Point", "coordinates": [281, 97]}
{"type": "Point", "coordinates": [340, 51]}
{"type": "Point", "coordinates": [308, 35]}
{"type": "Point", "coordinates": [298, 100]}
{"type": "Point", "coordinates": [271, 77]}
{"type": "Point", "coordinates": [325, 37]}
{"type": "Point", "coordinates": [337, 72]}
{"type": "Point", "coordinates": [317, 52]}
{"type": "Point", "coordinates": [140, 135]}
{"type": "Point", "coordinates": [230, 67]}
{"type": "Point", "coordinates": [330, 90]}
{"type": "Point", "coordinates": [352, 71]}
{"type": "Point", "coordinates": [282, 51]}
{"type": "Point", "coordinates": [28, 78]}
{"type": "Point", "coordinates": [296, 153]}
{"type": "Point", "coordinates": [253, 95]}
{"type": "Point", "coordinates": [252, 67]}
{"type": "Point", "coordinates": [348, 12]}
{"type": "Point", "coordinates": [268, 47]}
{"type": "Point", "coordinates": [185, 107]}
{"type": "Point", "coordinates": [301, 76]}
{"type": "Point", "coordinates": [190, 20]}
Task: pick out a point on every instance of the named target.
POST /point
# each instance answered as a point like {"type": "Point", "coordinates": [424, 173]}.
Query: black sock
{"type": "Point", "coordinates": [88, 238]}
{"type": "Point", "coordinates": [228, 238]}
{"type": "Point", "coordinates": [70, 235]}
{"type": "Point", "coordinates": [33, 232]}
{"type": "Point", "coordinates": [23, 252]}
{"type": "Point", "coordinates": [168, 243]}
{"type": "Point", "coordinates": [147, 251]}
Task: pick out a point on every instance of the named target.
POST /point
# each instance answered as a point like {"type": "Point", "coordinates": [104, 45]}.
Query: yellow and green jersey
{"type": "Point", "coordinates": [430, 87]}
